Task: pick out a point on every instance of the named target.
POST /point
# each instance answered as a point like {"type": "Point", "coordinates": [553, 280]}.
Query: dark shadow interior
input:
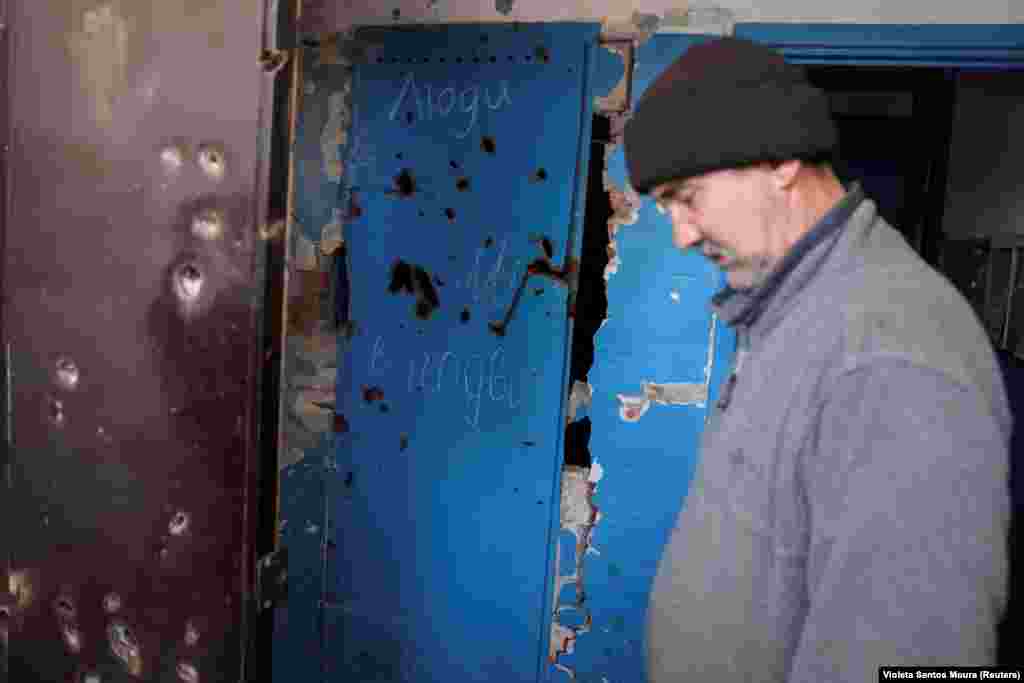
{"type": "Point", "coordinates": [897, 126]}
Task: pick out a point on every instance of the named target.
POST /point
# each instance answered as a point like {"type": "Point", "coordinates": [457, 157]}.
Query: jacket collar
{"type": "Point", "coordinates": [792, 274]}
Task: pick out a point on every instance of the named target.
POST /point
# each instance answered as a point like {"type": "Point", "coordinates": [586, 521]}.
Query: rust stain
{"type": "Point", "coordinates": [371, 394]}
{"type": "Point", "coordinates": [304, 304]}
{"type": "Point", "coordinates": [329, 52]}
{"type": "Point", "coordinates": [544, 268]}
{"type": "Point", "coordinates": [354, 210]}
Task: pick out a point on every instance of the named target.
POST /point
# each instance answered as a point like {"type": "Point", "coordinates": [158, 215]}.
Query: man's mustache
{"type": "Point", "coordinates": [714, 252]}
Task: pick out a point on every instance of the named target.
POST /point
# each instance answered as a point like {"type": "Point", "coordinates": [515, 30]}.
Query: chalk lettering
{"type": "Point", "coordinates": [474, 276]}
{"type": "Point", "coordinates": [450, 94]}
{"type": "Point", "coordinates": [504, 96]}
{"type": "Point", "coordinates": [410, 84]}
{"type": "Point", "coordinates": [471, 109]}
{"type": "Point", "coordinates": [499, 278]}
{"type": "Point", "coordinates": [442, 364]}
{"type": "Point", "coordinates": [412, 375]}
{"type": "Point", "coordinates": [518, 266]}
{"type": "Point", "coordinates": [495, 377]}
{"type": "Point", "coordinates": [473, 396]}
{"type": "Point", "coordinates": [482, 377]}
{"type": "Point", "coordinates": [423, 373]}
{"type": "Point", "coordinates": [492, 280]}
{"type": "Point", "coordinates": [378, 353]}
{"type": "Point", "coordinates": [443, 101]}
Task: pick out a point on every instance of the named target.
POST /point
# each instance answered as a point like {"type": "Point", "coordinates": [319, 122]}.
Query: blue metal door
{"type": "Point", "coordinates": [462, 185]}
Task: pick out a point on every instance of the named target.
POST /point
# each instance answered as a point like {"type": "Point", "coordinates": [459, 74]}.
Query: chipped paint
{"type": "Point", "coordinates": [578, 516]}
{"type": "Point", "coordinates": [335, 134]}
{"type": "Point", "coordinates": [100, 48]}
{"type": "Point", "coordinates": [581, 396]}
{"type": "Point", "coordinates": [625, 211]}
{"type": "Point", "coordinates": [617, 100]}
{"type": "Point", "coordinates": [311, 388]}
{"type": "Point", "coordinates": [332, 235]}
{"type": "Point", "coordinates": [633, 407]}
{"type": "Point", "coordinates": [704, 19]}
{"type": "Point", "coordinates": [312, 400]}
{"type": "Point", "coordinates": [639, 27]}
{"type": "Point", "coordinates": [676, 394]}
{"type": "Point", "coordinates": [303, 257]}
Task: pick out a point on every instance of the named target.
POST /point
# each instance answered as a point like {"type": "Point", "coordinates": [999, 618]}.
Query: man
{"type": "Point", "coordinates": [850, 505]}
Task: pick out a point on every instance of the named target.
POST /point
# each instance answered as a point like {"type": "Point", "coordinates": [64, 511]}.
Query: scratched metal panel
{"type": "Point", "coordinates": [659, 329]}
{"type": "Point", "coordinates": [464, 160]}
{"type": "Point", "coordinates": [133, 334]}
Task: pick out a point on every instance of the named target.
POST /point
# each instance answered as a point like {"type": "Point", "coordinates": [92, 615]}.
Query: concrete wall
{"type": "Point", "coordinates": [335, 15]}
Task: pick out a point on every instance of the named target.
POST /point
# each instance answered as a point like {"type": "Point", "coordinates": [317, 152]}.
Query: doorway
{"type": "Point", "coordinates": [927, 144]}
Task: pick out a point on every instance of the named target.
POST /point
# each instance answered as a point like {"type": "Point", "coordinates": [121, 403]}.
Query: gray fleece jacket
{"type": "Point", "coordinates": [850, 505]}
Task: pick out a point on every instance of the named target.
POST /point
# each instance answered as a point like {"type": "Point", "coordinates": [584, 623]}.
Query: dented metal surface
{"type": "Point", "coordinates": [130, 313]}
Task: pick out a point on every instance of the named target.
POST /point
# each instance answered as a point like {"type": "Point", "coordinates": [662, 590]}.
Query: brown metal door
{"type": "Point", "coordinates": [137, 163]}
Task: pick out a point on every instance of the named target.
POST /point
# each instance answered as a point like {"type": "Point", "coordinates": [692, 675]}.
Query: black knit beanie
{"type": "Point", "coordinates": [724, 104]}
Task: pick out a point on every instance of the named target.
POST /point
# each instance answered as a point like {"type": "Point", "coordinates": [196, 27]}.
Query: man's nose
{"type": "Point", "coordinates": [685, 234]}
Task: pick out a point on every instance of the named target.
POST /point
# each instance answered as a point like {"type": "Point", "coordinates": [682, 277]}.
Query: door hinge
{"type": "Point", "coordinates": [272, 580]}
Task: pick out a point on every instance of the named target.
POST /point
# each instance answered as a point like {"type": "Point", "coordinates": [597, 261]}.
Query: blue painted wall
{"type": "Point", "coordinates": [659, 329]}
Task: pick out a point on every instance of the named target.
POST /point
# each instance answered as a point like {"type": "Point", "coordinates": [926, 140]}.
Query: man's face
{"type": "Point", "coordinates": [732, 216]}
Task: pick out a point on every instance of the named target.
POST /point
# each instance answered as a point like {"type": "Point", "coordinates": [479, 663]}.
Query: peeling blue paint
{"type": "Point", "coordinates": [649, 335]}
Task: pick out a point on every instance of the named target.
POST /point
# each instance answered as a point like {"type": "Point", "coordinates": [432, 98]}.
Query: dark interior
{"type": "Point", "coordinates": [896, 128]}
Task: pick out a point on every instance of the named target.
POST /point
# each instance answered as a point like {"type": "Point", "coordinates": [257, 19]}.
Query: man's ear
{"type": "Point", "coordinates": [785, 174]}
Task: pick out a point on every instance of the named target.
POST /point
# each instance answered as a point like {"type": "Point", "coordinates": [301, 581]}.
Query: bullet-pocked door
{"type": "Point", "coordinates": [130, 311]}
{"type": "Point", "coordinates": [463, 197]}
